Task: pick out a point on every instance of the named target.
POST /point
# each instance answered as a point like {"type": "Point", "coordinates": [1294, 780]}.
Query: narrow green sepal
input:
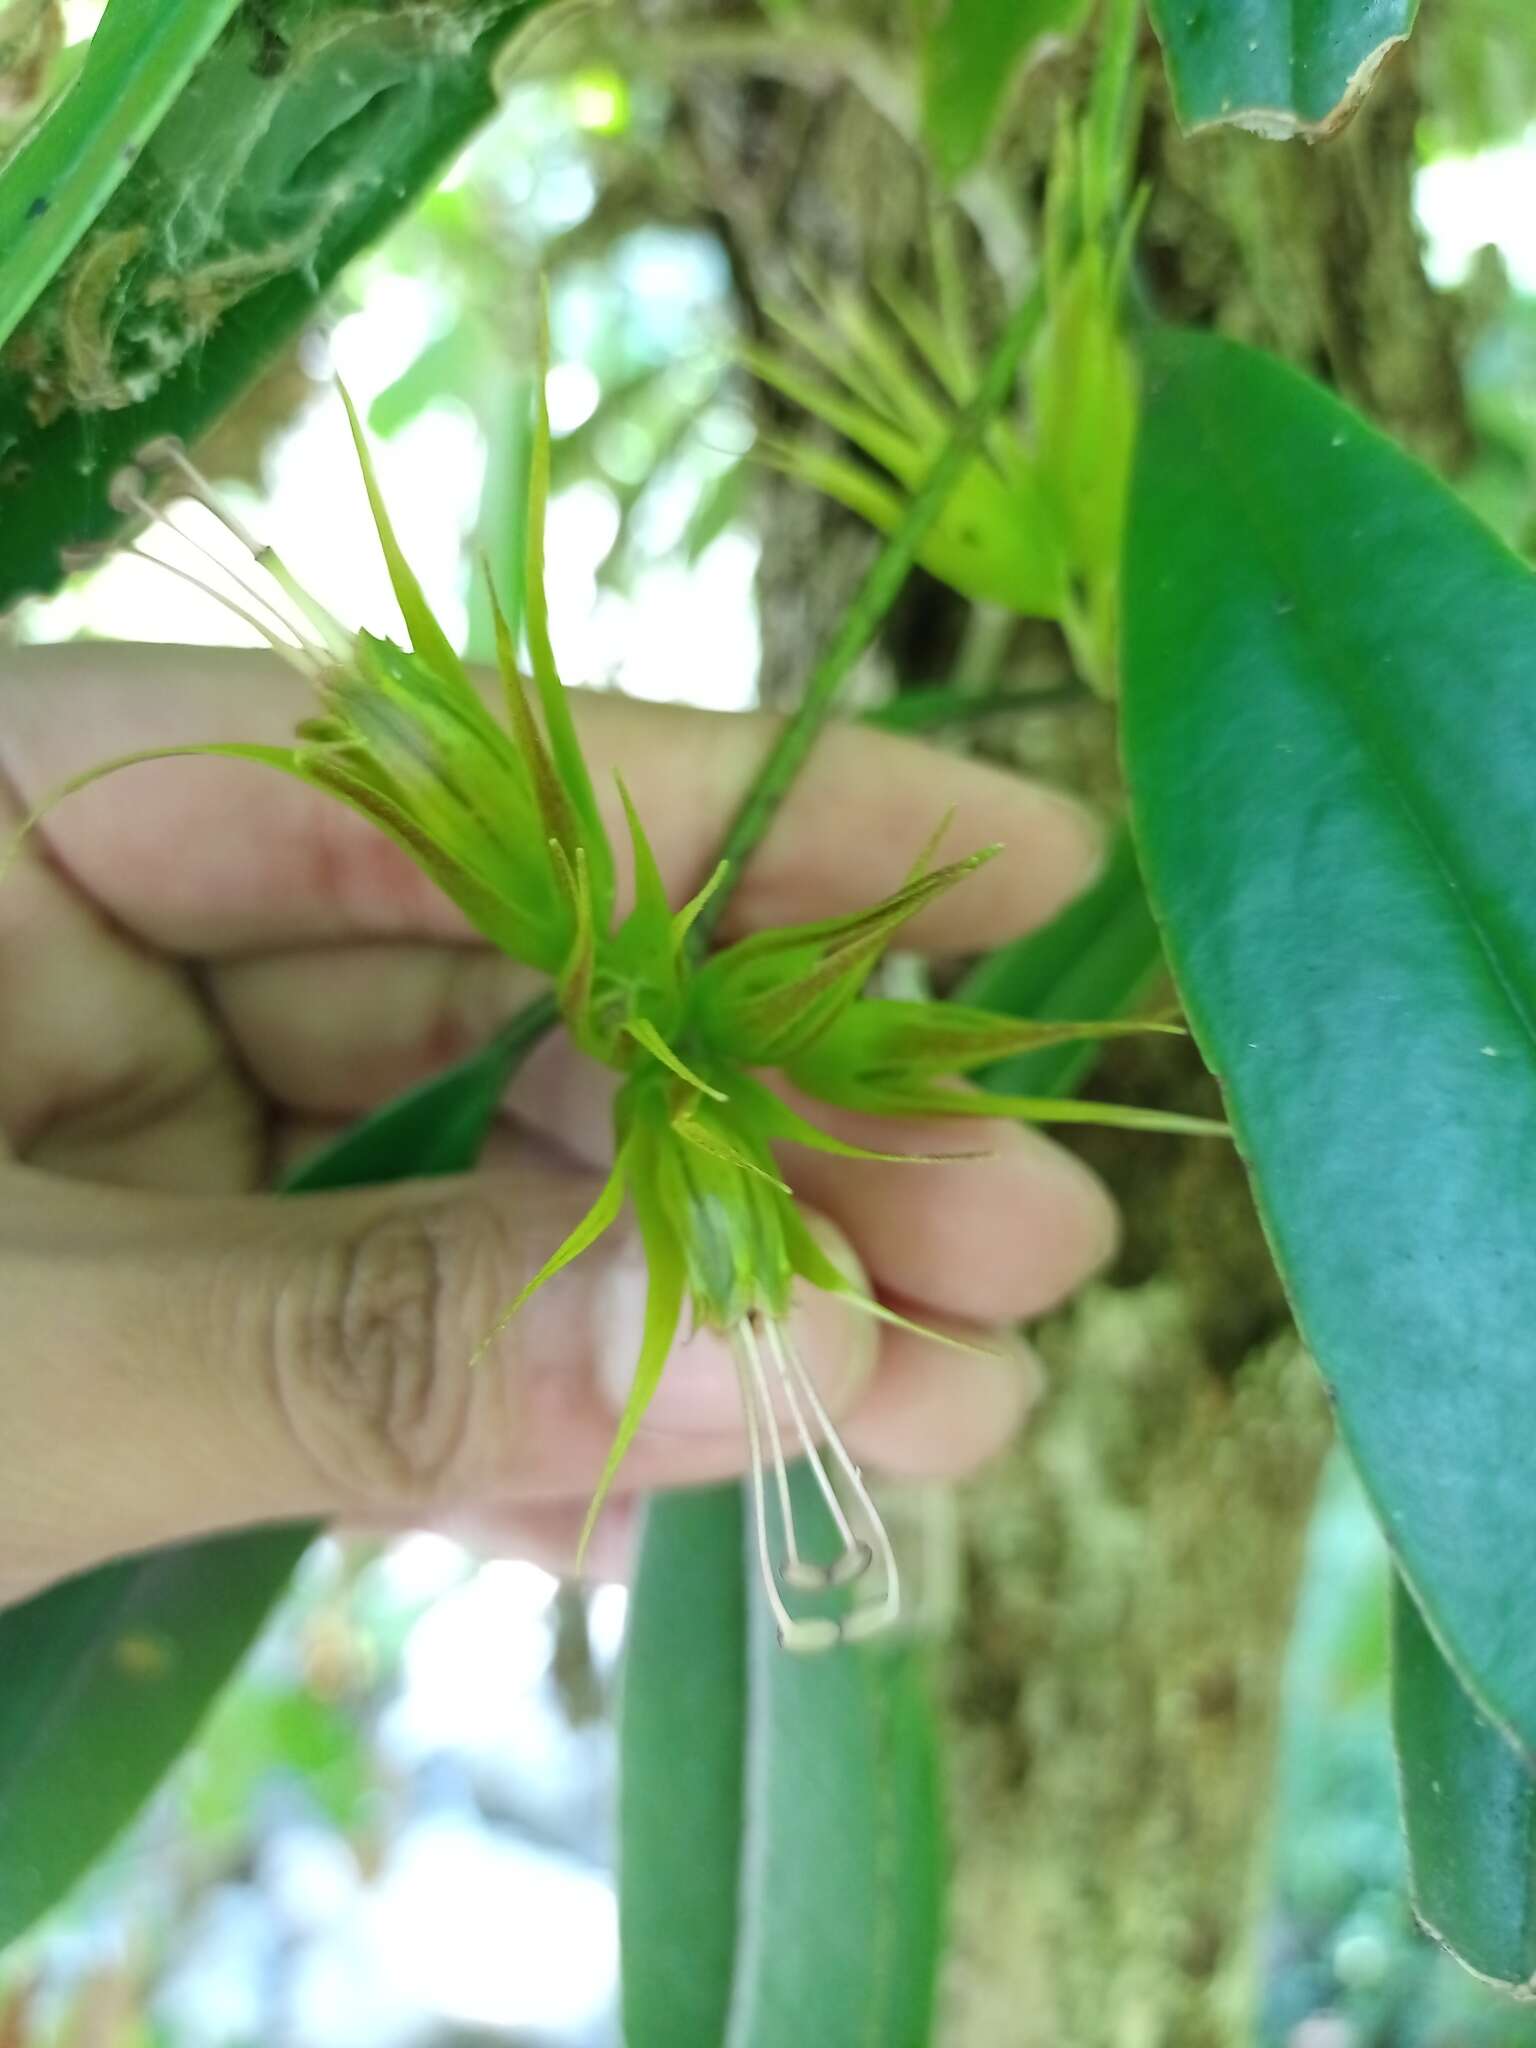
{"type": "Point", "coordinates": [766, 999]}
{"type": "Point", "coordinates": [666, 1286]}
{"type": "Point", "coordinates": [555, 810]}
{"type": "Point", "coordinates": [876, 1041]}
{"type": "Point", "coordinates": [558, 723]}
{"type": "Point", "coordinates": [427, 636]}
{"type": "Point", "coordinates": [645, 1034]}
{"type": "Point", "coordinates": [776, 1119]}
{"type": "Point", "coordinates": [602, 1214]}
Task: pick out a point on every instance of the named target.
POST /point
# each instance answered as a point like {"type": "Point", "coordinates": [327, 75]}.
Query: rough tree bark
{"type": "Point", "coordinates": [1130, 1569]}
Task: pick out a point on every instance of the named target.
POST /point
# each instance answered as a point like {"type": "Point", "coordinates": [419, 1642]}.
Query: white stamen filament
{"type": "Point", "coordinates": [856, 1556]}
{"type": "Point", "coordinates": [302, 651]}
{"type": "Point", "coordinates": [168, 453]}
{"type": "Point", "coordinates": [870, 1619]}
{"type": "Point", "coordinates": [793, 1566]}
{"type": "Point", "coordinates": [294, 652]}
{"type": "Point", "coordinates": [764, 1438]}
{"type": "Point", "coordinates": [817, 1633]}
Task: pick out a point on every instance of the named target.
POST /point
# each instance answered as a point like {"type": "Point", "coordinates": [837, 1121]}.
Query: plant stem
{"type": "Point", "coordinates": [863, 618]}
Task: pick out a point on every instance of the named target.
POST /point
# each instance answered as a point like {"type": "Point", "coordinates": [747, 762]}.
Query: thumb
{"type": "Point", "coordinates": [177, 1366]}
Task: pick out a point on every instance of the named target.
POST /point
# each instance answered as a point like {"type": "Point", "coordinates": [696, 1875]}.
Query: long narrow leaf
{"type": "Point", "coordinates": [780, 1832]}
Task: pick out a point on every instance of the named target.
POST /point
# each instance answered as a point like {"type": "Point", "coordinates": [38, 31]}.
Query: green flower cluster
{"type": "Point", "coordinates": [501, 813]}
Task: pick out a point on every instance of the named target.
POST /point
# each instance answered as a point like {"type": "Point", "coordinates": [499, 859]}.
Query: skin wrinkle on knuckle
{"type": "Point", "coordinates": [370, 1347]}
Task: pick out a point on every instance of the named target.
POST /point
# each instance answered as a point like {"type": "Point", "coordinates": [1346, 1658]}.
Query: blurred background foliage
{"type": "Point", "coordinates": [396, 1828]}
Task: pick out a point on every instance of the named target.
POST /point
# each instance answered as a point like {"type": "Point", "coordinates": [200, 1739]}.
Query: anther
{"type": "Point", "coordinates": [125, 492]}
{"type": "Point", "coordinates": [808, 1638]}
{"type": "Point", "coordinates": [871, 1619]}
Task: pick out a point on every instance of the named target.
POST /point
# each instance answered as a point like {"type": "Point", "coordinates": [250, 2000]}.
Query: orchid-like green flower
{"type": "Point", "coordinates": [502, 815]}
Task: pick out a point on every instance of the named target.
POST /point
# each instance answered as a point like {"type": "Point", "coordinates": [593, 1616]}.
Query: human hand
{"type": "Point", "coordinates": [206, 971]}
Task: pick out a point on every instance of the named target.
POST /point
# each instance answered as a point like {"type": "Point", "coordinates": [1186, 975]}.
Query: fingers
{"type": "Point", "coordinates": [338, 1030]}
{"type": "Point", "coordinates": [173, 1368]}
{"type": "Point", "coordinates": [1006, 1231]}
{"type": "Point", "coordinates": [1004, 1234]}
{"type": "Point", "coordinates": [279, 865]}
{"type": "Point", "coordinates": [937, 1413]}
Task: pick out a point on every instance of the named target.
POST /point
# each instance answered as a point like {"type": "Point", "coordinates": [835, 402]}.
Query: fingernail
{"type": "Point", "coordinates": [1086, 1229]}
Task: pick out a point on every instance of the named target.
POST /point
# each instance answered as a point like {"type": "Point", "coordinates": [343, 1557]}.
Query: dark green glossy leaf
{"type": "Point", "coordinates": [106, 1679]}
{"type": "Point", "coordinates": [972, 52]}
{"type": "Point", "coordinates": [1469, 1809]}
{"type": "Point", "coordinates": [140, 57]}
{"type": "Point", "coordinates": [306, 130]}
{"type": "Point", "coordinates": [1281, 67]}
{"type": "Point", "coordinates": [107, 1676]}
{"type": "Point", "coordinates": [781, 1842]}
{"type": "Point", "coordinates": [1100, 957]}
{"type": "Point", "coordinates": [1329, 730]}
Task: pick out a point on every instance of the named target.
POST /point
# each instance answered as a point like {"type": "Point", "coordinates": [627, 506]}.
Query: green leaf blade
{"type": "Point", "coordinates": [843, 1873]}
{"type": "Point", "coordinates": [1331, 781]}
{"type": "Point", "coordinates": [682, 1771]}
{"type": "Point", "coordinates": [971, 55]}
{"type": "Point", "coordinates": [1280, 67]}
{"type": "Point", "coordinates": [782, 1853]}
{"type": "Point", "coordinates": [1469, 1811]}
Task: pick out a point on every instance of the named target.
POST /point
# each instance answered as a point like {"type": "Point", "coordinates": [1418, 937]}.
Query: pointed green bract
{"type": "Point", "coordinates": [879, 1037]}
{"type": "Point", "coordinates": [710, 1138]}
{"type": "Point", "coordinates": [778, 1120]}
{"type": "Point", "coordinates": [770, 996]}
{"type": "Point", "coordinates": [558, 723]}
{"type": "Point", "coordinates": [649, 931]}
{"type": "Point", "coordinates": [645, 1034]}
{"type": "Point", "coordinates": [603, 1213]}
{"type": "Point", "coordinates": [554, 804]}
{"type": "Point", "coordinates": [427, 636]}
{"type": "Point", "coordinates": [683, 922]}
{"type": "Point", "coordinates": [666, 1285]}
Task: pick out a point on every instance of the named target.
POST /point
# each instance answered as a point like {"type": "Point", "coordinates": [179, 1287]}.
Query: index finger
{"type": "Point", "coordinates": [218, 859]}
